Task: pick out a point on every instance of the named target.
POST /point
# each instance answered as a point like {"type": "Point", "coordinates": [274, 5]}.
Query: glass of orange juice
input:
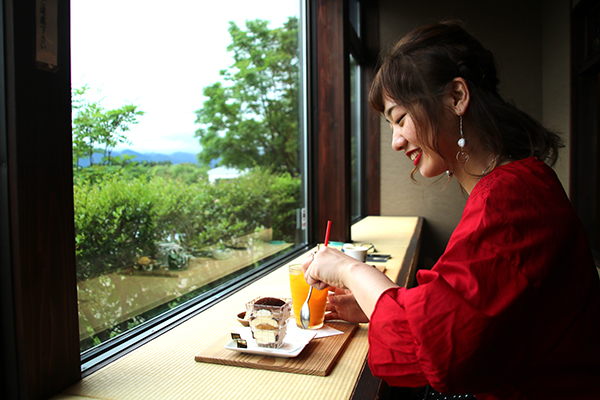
{"type": "Point", "coordinates": [317, 302]}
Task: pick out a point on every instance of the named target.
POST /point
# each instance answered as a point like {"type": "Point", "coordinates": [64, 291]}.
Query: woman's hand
{"type": "Point", "coordinates": [330, 267]}
{"type": "Point", "coordinates": [327, 267]}
{"type": "Point", "coordinates": [344, 306]}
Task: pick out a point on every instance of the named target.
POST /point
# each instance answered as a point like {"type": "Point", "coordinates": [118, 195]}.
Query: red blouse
{"type": "Point", "coordinates": [512, 308]}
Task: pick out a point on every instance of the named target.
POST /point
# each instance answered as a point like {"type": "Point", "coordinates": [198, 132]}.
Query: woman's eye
{"type": "Point", "coordinates": [398, 122]}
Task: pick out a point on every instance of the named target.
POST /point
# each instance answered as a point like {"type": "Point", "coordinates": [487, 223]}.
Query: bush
{"type": "Point", "coordinates": [114, 223]}
{"type": "Point", "coordinates": [121, 214]}
{"type": "Point", "coordinates": [275, 199]}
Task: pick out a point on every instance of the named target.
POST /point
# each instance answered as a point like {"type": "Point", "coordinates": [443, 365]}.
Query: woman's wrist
{"type": "Point", "coordinates": [351, 272]}
{"type": "Point", "coordinates": [366, 283]}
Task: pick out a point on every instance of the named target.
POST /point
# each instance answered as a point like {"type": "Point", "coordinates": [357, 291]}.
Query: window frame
{"type": "Point", "coordinates": [334, 39]}
{"type": "Point", "coordinates": [43, 330]}
{"type": "Point", "coordinates": [40, 336]}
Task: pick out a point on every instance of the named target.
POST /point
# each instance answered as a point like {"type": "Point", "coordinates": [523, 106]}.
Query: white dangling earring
{"type": "Point", "coordinates": [462, 156]}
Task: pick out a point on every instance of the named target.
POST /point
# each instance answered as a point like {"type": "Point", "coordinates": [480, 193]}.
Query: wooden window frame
{"type": "Point", "coordinates": [330, 140]}
{"type": "Point", "coordinates": [43, 331]}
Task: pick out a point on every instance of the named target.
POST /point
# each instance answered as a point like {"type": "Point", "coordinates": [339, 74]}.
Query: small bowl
{"type": "Point", "coordinates": [241, 320]}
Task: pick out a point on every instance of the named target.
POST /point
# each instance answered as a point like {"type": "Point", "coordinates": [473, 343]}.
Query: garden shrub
{"type": "Point", "coordinates": [120, 215]}
{"type": "Point", "coordinates": [114, 222]}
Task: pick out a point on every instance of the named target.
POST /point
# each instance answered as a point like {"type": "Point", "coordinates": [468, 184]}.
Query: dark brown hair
{"type": "Point", "coordinates": [420, 68]}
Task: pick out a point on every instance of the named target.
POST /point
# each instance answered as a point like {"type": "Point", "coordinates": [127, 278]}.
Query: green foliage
{"type": "Point", "coordinates": [98, 130]}
{"type": "Point", "coordinates": [122, 213]}
{"type": "Point", "coordinates": [114, 223]}
{"type": "Point", "coordinates": [277, 195]}
{"type": "Point", "coordinates": [251, 120]}
{"type": "Point", "coordinates": [284, 201]}
{"type": "Point", "coordinates": [186, 172]}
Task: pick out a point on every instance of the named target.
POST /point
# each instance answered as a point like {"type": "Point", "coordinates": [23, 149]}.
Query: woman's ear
{"type": "Point", "coordinates": [459, 96]}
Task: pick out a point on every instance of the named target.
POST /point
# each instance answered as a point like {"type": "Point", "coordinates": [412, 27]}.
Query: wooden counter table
{"type": "Point", "coordinates": [165, 367]}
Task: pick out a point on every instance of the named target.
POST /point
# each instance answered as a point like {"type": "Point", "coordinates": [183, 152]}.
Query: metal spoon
{"type": "Point", "coordinates": [305, 311]}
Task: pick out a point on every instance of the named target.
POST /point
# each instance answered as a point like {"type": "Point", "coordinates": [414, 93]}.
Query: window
{"type": "Point", "coordinates": [364, 148]}
{"type": "Point", "coordinates": [187, 141]}
{"type": "Point", "coordinates": [356, 148]}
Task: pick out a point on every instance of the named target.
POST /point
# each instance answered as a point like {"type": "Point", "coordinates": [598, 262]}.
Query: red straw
{"type": "Point", "coordinates": [327, 233]}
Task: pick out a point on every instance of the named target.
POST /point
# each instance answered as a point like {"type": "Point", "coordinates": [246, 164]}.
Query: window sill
{"type": "Point", "coordinates": [165, 366]}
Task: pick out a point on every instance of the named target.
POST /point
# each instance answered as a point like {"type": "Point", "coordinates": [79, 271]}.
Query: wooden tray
{"type": "Point", "coordinates": [317, 358]}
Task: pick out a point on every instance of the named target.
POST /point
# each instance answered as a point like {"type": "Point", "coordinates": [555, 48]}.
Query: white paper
{"type": "Point", "coordinates": [325, 331]}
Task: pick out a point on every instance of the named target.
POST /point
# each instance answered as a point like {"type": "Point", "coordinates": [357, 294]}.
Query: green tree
{"type": "Point", "coordinates": [84, 140]}
{"type": "Point", "coordinates": [98, 130]}
{"type": "Point", "coordinates": [250, 119]}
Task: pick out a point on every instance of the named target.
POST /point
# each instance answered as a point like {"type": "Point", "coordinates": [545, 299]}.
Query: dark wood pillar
{"type": "Point", "coordinates": [332, 133]}
{"type": "Point", "coordinates": [39, 313]}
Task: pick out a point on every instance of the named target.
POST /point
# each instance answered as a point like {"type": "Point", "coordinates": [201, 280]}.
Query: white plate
{"type": "Point", "coordinates": [294, 342]}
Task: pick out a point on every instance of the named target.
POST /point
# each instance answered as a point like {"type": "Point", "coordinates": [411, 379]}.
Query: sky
{"type": "Point", "coordinates": [159, 56]}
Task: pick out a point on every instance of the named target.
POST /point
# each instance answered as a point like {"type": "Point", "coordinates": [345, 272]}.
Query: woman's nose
{"type": "Point", "coordinates": [398, 141]}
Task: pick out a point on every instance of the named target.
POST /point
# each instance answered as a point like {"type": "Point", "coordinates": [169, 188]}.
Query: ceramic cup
{"type": "Point", "coordinates": [358, 253]}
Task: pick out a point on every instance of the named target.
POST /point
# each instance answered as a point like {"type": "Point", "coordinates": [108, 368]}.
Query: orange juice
{"type": "Point", "coordinates": [317, 302]}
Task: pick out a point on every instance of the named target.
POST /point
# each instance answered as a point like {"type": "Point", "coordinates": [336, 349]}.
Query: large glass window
{"type": "Point", "coordinates": [187, 150]}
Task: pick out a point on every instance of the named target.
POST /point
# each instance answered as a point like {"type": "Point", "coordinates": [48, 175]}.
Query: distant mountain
{"type": "Point", "coordinates": [175, 158]}
{"type": "Point", "coordinates": [178, 157]}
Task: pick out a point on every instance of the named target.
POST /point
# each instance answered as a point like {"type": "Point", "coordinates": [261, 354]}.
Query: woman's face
{"type": "Point", "coordinates": [405, 137]}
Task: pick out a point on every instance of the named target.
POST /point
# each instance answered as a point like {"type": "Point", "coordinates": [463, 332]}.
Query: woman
{"type": "Point", "coordinates": [511, 310]}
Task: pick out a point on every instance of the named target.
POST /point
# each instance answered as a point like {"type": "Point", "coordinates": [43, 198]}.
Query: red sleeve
{"type": "Point", "coordinates": [457, 329]}
{"type": "Point", "coordinates": [391, 343]}
{"type": "Point", "coordinates": [439, 335]}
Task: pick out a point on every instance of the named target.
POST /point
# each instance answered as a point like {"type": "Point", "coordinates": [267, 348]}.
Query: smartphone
{"type": "Point", "coordinates": [376, 257]}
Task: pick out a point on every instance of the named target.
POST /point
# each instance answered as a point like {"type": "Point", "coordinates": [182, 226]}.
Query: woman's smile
{"type": "Point", "coordinates": [415, 155]}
